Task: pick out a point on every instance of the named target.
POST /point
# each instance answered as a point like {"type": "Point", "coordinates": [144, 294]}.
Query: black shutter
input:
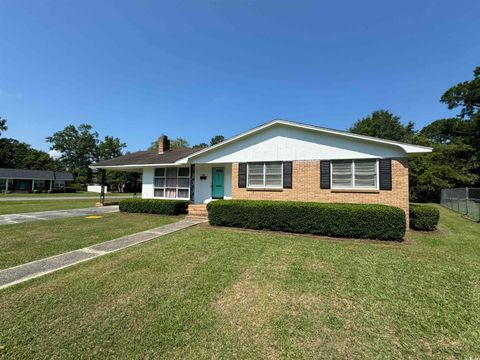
{"type": "Point", "coordinates": [324, 174]}
{"type": "Point", "coordinates": [242, 175]}
{"type": "Point", "coordinates": [287, 174]}
{"type": "Point", "coordinates": [385, 166]}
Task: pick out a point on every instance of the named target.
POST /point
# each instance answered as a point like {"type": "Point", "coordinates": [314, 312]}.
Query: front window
{"type": "Point", "coordinates": [58, 184]}
{"type": "Point", "coordinates": [264, 175]}
{"type": "Point", "coordinates": [355, 174]}
{"type": "Point", "coordinates": [172, 183]}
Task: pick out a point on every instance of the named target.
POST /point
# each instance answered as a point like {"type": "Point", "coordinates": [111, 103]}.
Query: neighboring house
{"type": "Point", "coordinates": [23, 180]}
{"type": "Point", "coordinates": [279, 160]}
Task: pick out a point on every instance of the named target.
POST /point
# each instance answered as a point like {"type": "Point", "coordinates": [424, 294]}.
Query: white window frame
{"type": "Point", "coordinates": [353, 187]}
{"type": "Point", "coordinates": [57, 182]}
{"type": "Point", "coordinates": [264, 186]}
{"type": "Point", "coordinates": [165, 187]}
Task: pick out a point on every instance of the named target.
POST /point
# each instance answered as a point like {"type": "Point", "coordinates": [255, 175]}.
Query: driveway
{"type": "Point", "coordinates": [56, 214]}
{"type": "Point", "coordinates": [30, 198]}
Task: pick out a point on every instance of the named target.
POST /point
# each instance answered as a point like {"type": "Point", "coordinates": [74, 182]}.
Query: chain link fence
{"type": "Point", "coordinates": [464, 200]}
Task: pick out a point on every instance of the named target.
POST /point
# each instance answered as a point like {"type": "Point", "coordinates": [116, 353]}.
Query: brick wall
{"type": "Point", "coordinates": [306, 187]}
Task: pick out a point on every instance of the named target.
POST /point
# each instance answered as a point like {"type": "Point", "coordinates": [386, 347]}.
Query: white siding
{"type": "Point", "coordinates": [203, 189]}
{"type": "Point", "coordinates": [282, 142]}
{"type": "Point", "coordinates": [147, 183]}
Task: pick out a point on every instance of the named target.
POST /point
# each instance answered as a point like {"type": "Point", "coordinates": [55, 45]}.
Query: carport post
{"type": "Point", "coordinates": [102, 187]}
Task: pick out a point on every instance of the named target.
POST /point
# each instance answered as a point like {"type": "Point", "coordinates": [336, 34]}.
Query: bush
{"type": "Point", "coordinates": [78, 187]}
{"type": "Point", "coordinates": [154, 206]}
{"type": "Point", "coordinates": [69, 189]}
{"type": "Point", "coordinates": [37, 191]}
{"type": "Point", "coordinates": [55, 191]}
{"type": "Point", "coordinates": [424, 217]}
{"type": "Point", "coordinates": [362, 221]}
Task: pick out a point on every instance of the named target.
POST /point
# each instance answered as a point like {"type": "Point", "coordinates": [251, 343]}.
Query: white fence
{"type": "Point", "coordinates": [96, 188]}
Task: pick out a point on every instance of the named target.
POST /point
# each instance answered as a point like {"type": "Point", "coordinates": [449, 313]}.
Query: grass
{"type": "Point", "coordinates": [16, 207]}
{"type": "Point", "coordinates": [21, 243]}
{"type": "Point", "coordinates": [68, 195]}
{"type": "Point", "coordinates": [223, 293]}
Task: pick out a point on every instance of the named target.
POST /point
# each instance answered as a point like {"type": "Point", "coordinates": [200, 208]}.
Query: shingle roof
{"type": "Point", "coordinates": [147, 157]}
{"type": "Point", "coordinates": [34, 174]}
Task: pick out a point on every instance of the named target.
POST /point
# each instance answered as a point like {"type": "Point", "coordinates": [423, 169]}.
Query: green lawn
{"type": "Point", "coordinates": [222, 293]}
{"type": "Point", "coordinates": [21, 243]}
{"type": "Point", "coordinates": [15, 207]}
{"type": "Point", "coordinates": [68, 195]}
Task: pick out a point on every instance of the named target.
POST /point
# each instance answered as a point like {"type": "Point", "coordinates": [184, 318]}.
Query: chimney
{"type": "Point", "coordinates": [163, 144]}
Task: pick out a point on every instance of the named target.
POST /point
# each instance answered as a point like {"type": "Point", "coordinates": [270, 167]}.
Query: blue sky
{"type": "Point", "coordinates": [199, 68]}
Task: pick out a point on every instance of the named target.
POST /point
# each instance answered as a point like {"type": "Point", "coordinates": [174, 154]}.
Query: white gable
{"type": "Point", "coordinates": [282, 141]}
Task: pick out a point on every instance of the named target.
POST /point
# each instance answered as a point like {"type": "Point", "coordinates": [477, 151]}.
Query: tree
{"type": "Point", "coordinates": [465, 95]}
{"type": "Point", "coordinates": [217, 139]}
{"type": "Point", "coordinates": [200, 146]}
{"type": "Point", "coordinates": [383, 124]}
{"type": "Point", "coordinates": [19, 155]}
{"type": "Point", "coordinates": [78, 146]}
{"type": "Point", "coordinates": [455, 160]}
{"type": "Point", "coordinates": [3, 125]}
{"type": "Point", "coordinates": [110, 148]}
{"type": "Point", "coordinates": [179, 143]}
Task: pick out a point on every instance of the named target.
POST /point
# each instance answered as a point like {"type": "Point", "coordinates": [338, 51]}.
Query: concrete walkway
{"type": "Point", "coordinates": [55, 214]}
{"type": "Point", "coordinates": [37, 198]}
{"type": "Point", "coordinates": [24, 272]}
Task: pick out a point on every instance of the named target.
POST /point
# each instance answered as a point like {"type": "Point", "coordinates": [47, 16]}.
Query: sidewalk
{"type": "Point", "coordinates": [55, 214]}
{"type": "Point", "coordinates": [24, 272]}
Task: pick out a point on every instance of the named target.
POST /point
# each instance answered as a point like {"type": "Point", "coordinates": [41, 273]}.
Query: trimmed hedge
{"type": "Point", "coordinates": [154, 206]}
{"type": "Point", "coordinates": [424, 217]}
{"type": "Point", "coordinates": [363, 221]}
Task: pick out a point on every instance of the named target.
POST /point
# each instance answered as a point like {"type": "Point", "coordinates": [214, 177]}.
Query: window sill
{"type": "Point", "coordinates": [265, 189]}
{"type": "Point", "coordinates": [361, 191]}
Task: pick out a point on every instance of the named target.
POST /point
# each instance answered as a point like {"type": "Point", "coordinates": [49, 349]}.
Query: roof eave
{"type": "Point", "coordinates": [408, 148]}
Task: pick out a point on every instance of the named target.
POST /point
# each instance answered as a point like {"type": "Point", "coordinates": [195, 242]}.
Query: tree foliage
{"type": "Point", "coordinates": [217, 139]}
{"type": "Point", "coordinates": [19, 155]}
{"type": "Point", "coordinates": [78, 148]}
{"type": "Point", "coordinates": [3, 125]}
{"type": "Point", "coordinates": [383, 124]}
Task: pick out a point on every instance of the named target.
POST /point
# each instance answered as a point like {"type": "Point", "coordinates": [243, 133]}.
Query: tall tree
{"type": "Point", "coordinates": [383, 124]}
{"type": "Point", "coordinates": [455, 160]}
{"type": "Point", "coordinates": [78, 146]}
{"type": "Point", "coordinates": [179, 143]}
{"type": "Point", "coordinates": [3, 125]}
{"type": "Point", "coordinates": [19, 155]}
{"type": "Point", "coordinates": [465, 95]}
{"type": "Point", "coordinates": [217, 139]}
{"type": "Point", "coordinates": [109, 148]}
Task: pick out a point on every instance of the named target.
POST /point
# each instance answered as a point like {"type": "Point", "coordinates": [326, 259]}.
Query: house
{"type": "Point", "coordinates": [279, 160]}
{"type": "Point", "coordinates": [24, 180]}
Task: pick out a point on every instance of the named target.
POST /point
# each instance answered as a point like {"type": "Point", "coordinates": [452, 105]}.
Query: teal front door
{"type": "Point", "coordinates": [217, 183]}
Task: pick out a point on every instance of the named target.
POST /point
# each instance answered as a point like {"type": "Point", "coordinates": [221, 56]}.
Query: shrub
{"type": "Point", "coordinates": [69, 189]}
{"type": "Point", "coordinates": [37, 191]}
{"type": "Point", "coordinates": [424, 217]}
{"type": "Point", "coordinates": [154, 206]}
{"type": "Point", "coordinates": [78, 187]}
{"type": "Point", "coordinates": [362, 221]}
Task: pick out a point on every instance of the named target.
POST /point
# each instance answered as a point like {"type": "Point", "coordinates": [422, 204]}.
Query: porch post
{"type": "Point", "coordinates": [51, 185]}
{"type": "Point", "coordinates": [102, 187]}
{"type": "Point", "coordinates": [33, 184]}
{"type": "Point", "coordinates": [6, 185]}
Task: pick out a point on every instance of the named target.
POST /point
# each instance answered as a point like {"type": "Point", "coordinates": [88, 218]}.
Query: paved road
{"type": "Point", "coordinates": [21, 273]}
{"type": "Point", "coordinates": [29, 198]}
{"type": "Point", "coordinates": [55, 214]}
